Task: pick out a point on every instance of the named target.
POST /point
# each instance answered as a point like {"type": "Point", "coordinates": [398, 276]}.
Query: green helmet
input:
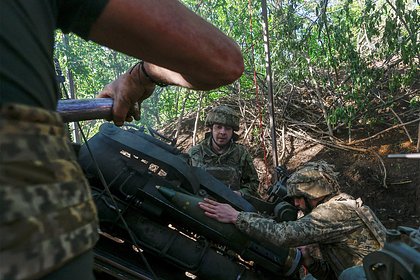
{"type": "Point", "coordinates": [223, 115]}
{"type": "Point", "coordinates": [313, 180]}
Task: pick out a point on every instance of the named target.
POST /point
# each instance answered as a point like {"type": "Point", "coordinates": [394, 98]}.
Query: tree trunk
{"type": "Point", "coordinates": [197, 117]}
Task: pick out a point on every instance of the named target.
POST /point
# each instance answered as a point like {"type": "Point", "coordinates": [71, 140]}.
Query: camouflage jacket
{"type": "Point", "coordinates": [234, 167]}
{"type": "Point", "coordinates": [337, 226]}
{"type": "Point", "coordinates": [47, 214]}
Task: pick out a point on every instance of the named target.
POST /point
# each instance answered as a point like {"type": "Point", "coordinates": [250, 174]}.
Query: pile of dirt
{"type": "Point", "coordinates": [391, 187]}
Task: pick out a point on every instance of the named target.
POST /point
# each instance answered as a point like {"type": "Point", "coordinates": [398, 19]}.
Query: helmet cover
{"type": "Point", "coordinates": [223, 115]}
{"type": "Point", "coordinates": [313, 180]}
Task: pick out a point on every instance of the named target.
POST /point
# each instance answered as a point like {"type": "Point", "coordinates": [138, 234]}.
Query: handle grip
{"type": "Point", "coordinates": [73, 110]}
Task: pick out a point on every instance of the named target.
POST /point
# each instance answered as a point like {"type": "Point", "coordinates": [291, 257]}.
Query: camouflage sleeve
{"type": "Point", "coordinates": [249, 180]}
{"type": "Point", "coordinates": [194, 156]}
{"type": "Point", "coordinates": [325, 224]}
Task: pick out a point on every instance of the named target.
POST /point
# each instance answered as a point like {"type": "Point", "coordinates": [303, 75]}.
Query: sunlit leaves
{"type": "Point", "coordinates": [348, 44]}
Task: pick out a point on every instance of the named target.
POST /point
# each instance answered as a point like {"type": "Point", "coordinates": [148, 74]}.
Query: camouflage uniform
{"type": "Point", "coordinates": [345, 230]}
{"type": "Point", "coordinates": [234, 167]}
{"type": "Point", "coordinates": [47, 214]}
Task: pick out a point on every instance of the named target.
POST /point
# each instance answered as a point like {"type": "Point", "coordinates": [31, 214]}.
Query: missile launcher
{"type": "Point", "coordinates": [151, 226]}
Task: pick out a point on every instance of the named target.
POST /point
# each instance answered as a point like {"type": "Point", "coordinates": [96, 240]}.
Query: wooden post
{"type": "Point", "coordinates": [269, 80]}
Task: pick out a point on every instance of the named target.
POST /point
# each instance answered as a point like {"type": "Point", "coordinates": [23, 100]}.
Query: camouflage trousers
{"type": "Point", "coordinates": [47, 215]}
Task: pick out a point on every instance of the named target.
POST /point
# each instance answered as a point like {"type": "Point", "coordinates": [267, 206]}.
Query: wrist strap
{"type": "Point", "coordinates": [143, 69]}
{"type": "Point", "coordinates": [132, 68]}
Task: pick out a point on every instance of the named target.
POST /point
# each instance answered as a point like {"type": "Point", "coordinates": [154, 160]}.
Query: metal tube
{"type": "Point", "coordinates": [413, 155]}
{"type": "Point", "coordinates": [73, 110]}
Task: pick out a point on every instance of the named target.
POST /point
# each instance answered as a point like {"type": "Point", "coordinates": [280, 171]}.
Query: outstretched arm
{"type": "Point", "coordinates": [180, 48]}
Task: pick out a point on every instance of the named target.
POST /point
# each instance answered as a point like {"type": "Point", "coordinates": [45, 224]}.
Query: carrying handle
{"type": "Point", "coordinates": [73, 110]}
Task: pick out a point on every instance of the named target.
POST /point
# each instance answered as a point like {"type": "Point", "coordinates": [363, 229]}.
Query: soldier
{"type": "Point", "coordinates": [222, 157]}
{"type": "Point", "coordinates": [48, 222]}
{"type": "Point", "coordinates": [344, 229]}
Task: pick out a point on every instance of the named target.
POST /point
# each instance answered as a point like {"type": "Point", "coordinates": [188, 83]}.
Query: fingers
{"type": "Point", "coordinates": [104, 94]}
{"type": "Point", "coordinates": [221, 212]}
{"type": "Point", "coordinates": [136, 114]}
{"type": "Point", "coordinates": [210, 210]}
{"type": "Point", "coordinates": [206, 206]}
{"type": "Point", "coordinates": [119, 111]}
{"type": "Point", "coordinates": [126, 111]}
{"type": "Point", "coordinates": [211, 201]}
{"type": "Point", "coordinates": [133, 112]}
{"type": "Point", "coordinates": [211, 215]}
{"type": "Point", "coordinates": [128, 93]}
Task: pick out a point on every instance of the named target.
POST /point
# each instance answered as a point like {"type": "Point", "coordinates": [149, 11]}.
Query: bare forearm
{"type": "Point", "coordinates": [190, 52]}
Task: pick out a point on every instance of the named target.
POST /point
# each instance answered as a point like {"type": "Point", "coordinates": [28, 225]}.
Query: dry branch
{"type": "Point", "coordinates": [383, 131]}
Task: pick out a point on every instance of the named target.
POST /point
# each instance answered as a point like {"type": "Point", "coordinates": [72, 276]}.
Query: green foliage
{"type": "Point", "coordinates": [415, 102]}
{"type": "Point", "coordinates": [346, 50]}
{"type": "Point", "coordinates": [343, 44]}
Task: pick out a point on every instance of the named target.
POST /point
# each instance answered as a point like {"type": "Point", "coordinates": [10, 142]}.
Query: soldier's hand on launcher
{"type": "Point", "coordinates": [221, 212]}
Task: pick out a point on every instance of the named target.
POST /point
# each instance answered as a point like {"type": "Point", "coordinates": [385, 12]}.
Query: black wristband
{"type": "Point", "coordinates": [150, 78]}
{"type": "Point", "coordinates": [132, 68]}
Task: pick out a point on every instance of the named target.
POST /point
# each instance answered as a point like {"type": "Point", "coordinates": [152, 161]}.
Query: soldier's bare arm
{"type": "Point", "coordinates": [188, 50]}
{"type": "Point", "coordinates": [180, 48]}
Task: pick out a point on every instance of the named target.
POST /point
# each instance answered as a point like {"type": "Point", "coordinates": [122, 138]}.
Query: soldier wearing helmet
{"type": "Point", "coordinates": [221, 156]}
{"type": "Point", "coordinates": [312, 184]}
{"type": "Point", "coordinates": [223, 115]}
{"type": "Point", "coordinates": [344, 229]}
